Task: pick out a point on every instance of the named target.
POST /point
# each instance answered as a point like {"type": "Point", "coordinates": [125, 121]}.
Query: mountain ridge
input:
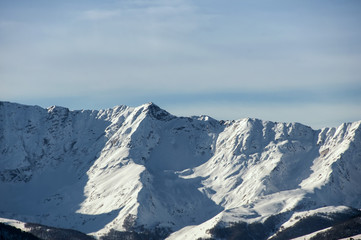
{"type": "Point", "coordinates": [134, 168]}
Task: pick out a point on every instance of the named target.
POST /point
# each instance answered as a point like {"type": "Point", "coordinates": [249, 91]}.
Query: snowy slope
{"type": "Point", "coordinates": [130, 169]}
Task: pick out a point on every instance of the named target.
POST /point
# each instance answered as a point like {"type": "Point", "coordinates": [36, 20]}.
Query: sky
{"type": "Point", "coordinates": [281, 60]}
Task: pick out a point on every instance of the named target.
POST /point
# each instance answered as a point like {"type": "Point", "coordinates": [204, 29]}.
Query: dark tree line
{"type": "Point", "coordinates": [8, 232]}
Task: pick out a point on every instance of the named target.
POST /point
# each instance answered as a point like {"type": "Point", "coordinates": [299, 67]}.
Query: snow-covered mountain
{"type": "Point", "coordinates": [144, 170]}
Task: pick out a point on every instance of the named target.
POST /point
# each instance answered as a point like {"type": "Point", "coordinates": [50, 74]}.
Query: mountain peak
{"type": "Point", "coordinates": [57, 109]}
{"type": "Point", "coordinates": [156, 112]}
{"type": "Point", "coordinates": [136, 170]}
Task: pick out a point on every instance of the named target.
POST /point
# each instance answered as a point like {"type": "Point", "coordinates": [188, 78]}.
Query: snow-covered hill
{"type": "Point", "coordinates": [144, 170]}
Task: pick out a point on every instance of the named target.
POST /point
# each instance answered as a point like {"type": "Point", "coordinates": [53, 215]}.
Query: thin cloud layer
{"type": "Point", "coordinates": [100, 14]}
{"type": "Point", "coordinates": [127, 52]}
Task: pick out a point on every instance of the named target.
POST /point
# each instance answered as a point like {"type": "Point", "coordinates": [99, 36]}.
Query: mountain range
{"type": "Point", "coordinates": [143, 173]}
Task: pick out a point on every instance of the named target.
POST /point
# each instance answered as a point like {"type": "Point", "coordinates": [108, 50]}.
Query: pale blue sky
{"type": "Point", "coordinates": [275, 60]}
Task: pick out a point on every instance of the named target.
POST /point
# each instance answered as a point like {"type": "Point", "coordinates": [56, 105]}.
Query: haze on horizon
{"type": "Point", "coordinates": [275, 60]}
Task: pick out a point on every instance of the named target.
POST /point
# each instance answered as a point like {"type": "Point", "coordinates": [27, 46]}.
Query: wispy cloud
{"type": "Point", "coordinates": [100, 14]}
{"type": "Point", "coordinates": [181, 52]}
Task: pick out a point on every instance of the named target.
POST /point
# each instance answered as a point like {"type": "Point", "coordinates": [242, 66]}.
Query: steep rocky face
{"type": "Point", "coordinates": [130, 169]}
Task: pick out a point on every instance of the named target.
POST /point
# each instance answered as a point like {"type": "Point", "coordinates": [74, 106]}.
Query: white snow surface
{"type": "Point", "coordinates": [92, 170]}
{"type": "Point", "coordinates": [14, 223]}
